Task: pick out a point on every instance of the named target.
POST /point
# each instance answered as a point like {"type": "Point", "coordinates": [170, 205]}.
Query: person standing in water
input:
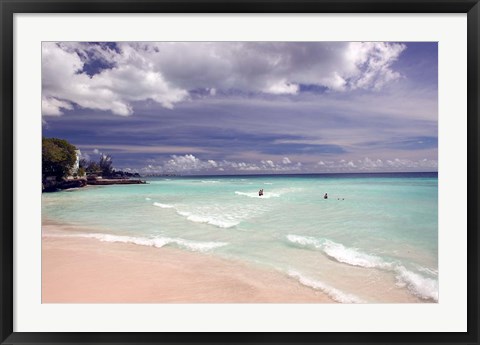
{"type": "Point", "coordinates": [260, 192]}
{"type": "Point", "coordinates": [325, 196]}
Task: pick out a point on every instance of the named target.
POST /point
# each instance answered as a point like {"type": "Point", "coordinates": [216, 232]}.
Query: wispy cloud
{"type": "Point", "coordinates": [140, 148]}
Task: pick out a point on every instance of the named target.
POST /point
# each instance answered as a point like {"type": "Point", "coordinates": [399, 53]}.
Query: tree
{"type": "Point", "coordinates": [58, 158]}
{"type": "Point", "coordinates": [83, 163]}
{"type": "Point", "coordinates": [106, 165]}
{"type": "Point", "coordinates": [81, 172]}
{"type": "Point", "coordinates": [93, 168]}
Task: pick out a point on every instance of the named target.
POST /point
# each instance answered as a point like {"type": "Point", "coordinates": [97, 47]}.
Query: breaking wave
{"type": "Point", "coordinates": [266, 195]}
{"type": "Point", "coordinates": [417, 284]}
{"type": "Point", "coordinates": [335, 294]}
{"type": "Point", "coordinates": [163, 205]}
{"type": "Point", "coordinates": [221, 223]}
{"type": "Point", "coordinates": [340, 253]}
{"type": "Point", "coordinates": [157, 242]}
{"type": "Point", "coordinates": [420, 286]}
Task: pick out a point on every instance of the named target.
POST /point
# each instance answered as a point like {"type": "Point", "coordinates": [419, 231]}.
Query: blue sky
{"type": "Point", "coordinates": [245, 107]}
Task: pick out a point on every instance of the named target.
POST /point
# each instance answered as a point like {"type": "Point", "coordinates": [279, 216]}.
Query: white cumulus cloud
{"type": "Point", "coordinates": [64, 82]}
{"type": "Point", "coordinates": [166, 72]}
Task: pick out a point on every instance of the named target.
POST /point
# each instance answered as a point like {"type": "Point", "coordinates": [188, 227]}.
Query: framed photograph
{"type": "Point", "coordinates": [239, 172]}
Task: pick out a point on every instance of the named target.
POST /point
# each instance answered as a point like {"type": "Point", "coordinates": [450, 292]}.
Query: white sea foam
{"type": "Point", "coordinates": [221, 223]}
{"type": "Point", "coordinates": [352, 256]}
{"type": "Point", "coordinates": [157, 242]}
{"type": "Point", "coordinates": [429, 271]}
{"type": "Point", "coordinates": [210, 181]}
{"type": "Point", "coordinates": [163, 205]}
{"type": "Point", "coordinates": [340, 253]}
{"type": "Point", "coordinates": [266, 195]}
{"type": "Point", "coordinates": [305, 241]}
{"type": "Point", "coordinates": [197, 217]}
{"type": "Point", "coordinates": [334, 293]}
{"type": "Point", "coordinates": [148, 199]}
{"type": "Point", "coordinates": [269, 183]}
{"type": "Point", "coordinates": [269, 194]}
{"type": "Point", "coordinates": [423, 287]}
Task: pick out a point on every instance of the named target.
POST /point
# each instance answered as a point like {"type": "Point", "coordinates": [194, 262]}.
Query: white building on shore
{"type": "Point", "coordinates": [76, 165]}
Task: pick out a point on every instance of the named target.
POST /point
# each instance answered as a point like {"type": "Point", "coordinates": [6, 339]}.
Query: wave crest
{"type": "Point", "coordinates": [352, 256]}
{"type": "Point", "coordinates": [425, 288]}
{"type": "Point", "coordinates": [266, 195]}
{"type": "Point", "coordinates": [162, 205]}
{"type": "Point", "coordinates": [420, 286]}
{"type": "Point", "coordinates": [221, 223]}
{"type": "Point", "coordinates": [157, 242]}
{"type": "Point", "coordinates": [335, 294]}
{"type": "Point", "coordinates": [340, 253]}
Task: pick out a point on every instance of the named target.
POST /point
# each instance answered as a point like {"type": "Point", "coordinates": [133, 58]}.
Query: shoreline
{"type": "Point", "coordinates": [85, 270]}
{"type": "Point", "coordinates": [77, 183]}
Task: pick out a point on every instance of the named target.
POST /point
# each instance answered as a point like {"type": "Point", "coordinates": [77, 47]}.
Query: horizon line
{"type": "Point", "coordinates": [287, 174]}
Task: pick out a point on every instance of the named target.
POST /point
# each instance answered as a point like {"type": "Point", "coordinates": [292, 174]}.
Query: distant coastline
{"type": "Point", "coordinates": [55, 186]}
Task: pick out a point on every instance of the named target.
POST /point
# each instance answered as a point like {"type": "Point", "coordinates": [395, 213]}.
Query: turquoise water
{"type": "Point", "coordinates": [373, 240]}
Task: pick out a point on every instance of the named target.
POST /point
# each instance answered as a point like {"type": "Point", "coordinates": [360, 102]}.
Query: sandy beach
{"type": "Point", "coordinates": [83, 270]}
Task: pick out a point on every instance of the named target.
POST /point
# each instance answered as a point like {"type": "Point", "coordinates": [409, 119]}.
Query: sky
{"type": "Point", "coordinates": [245, 107]}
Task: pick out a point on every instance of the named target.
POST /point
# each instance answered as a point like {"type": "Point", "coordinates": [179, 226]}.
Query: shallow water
{"type": "Point", "coordinates": [373, 240]}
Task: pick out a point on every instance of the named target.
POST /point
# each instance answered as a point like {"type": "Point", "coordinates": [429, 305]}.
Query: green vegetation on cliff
{"type": "Point", "coordinates": [58, 158]}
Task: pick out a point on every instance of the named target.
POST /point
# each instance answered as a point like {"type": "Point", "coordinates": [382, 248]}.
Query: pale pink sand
{"type": "Point", "coordinates": [81, 270]}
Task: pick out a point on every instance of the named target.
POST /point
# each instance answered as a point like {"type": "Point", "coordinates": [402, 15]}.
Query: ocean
{"type": "Point", "coordinates": [374, 240]}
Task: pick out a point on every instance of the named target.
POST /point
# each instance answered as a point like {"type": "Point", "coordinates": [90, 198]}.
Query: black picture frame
{"type": "Point", "coordinates": [9, 7]}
